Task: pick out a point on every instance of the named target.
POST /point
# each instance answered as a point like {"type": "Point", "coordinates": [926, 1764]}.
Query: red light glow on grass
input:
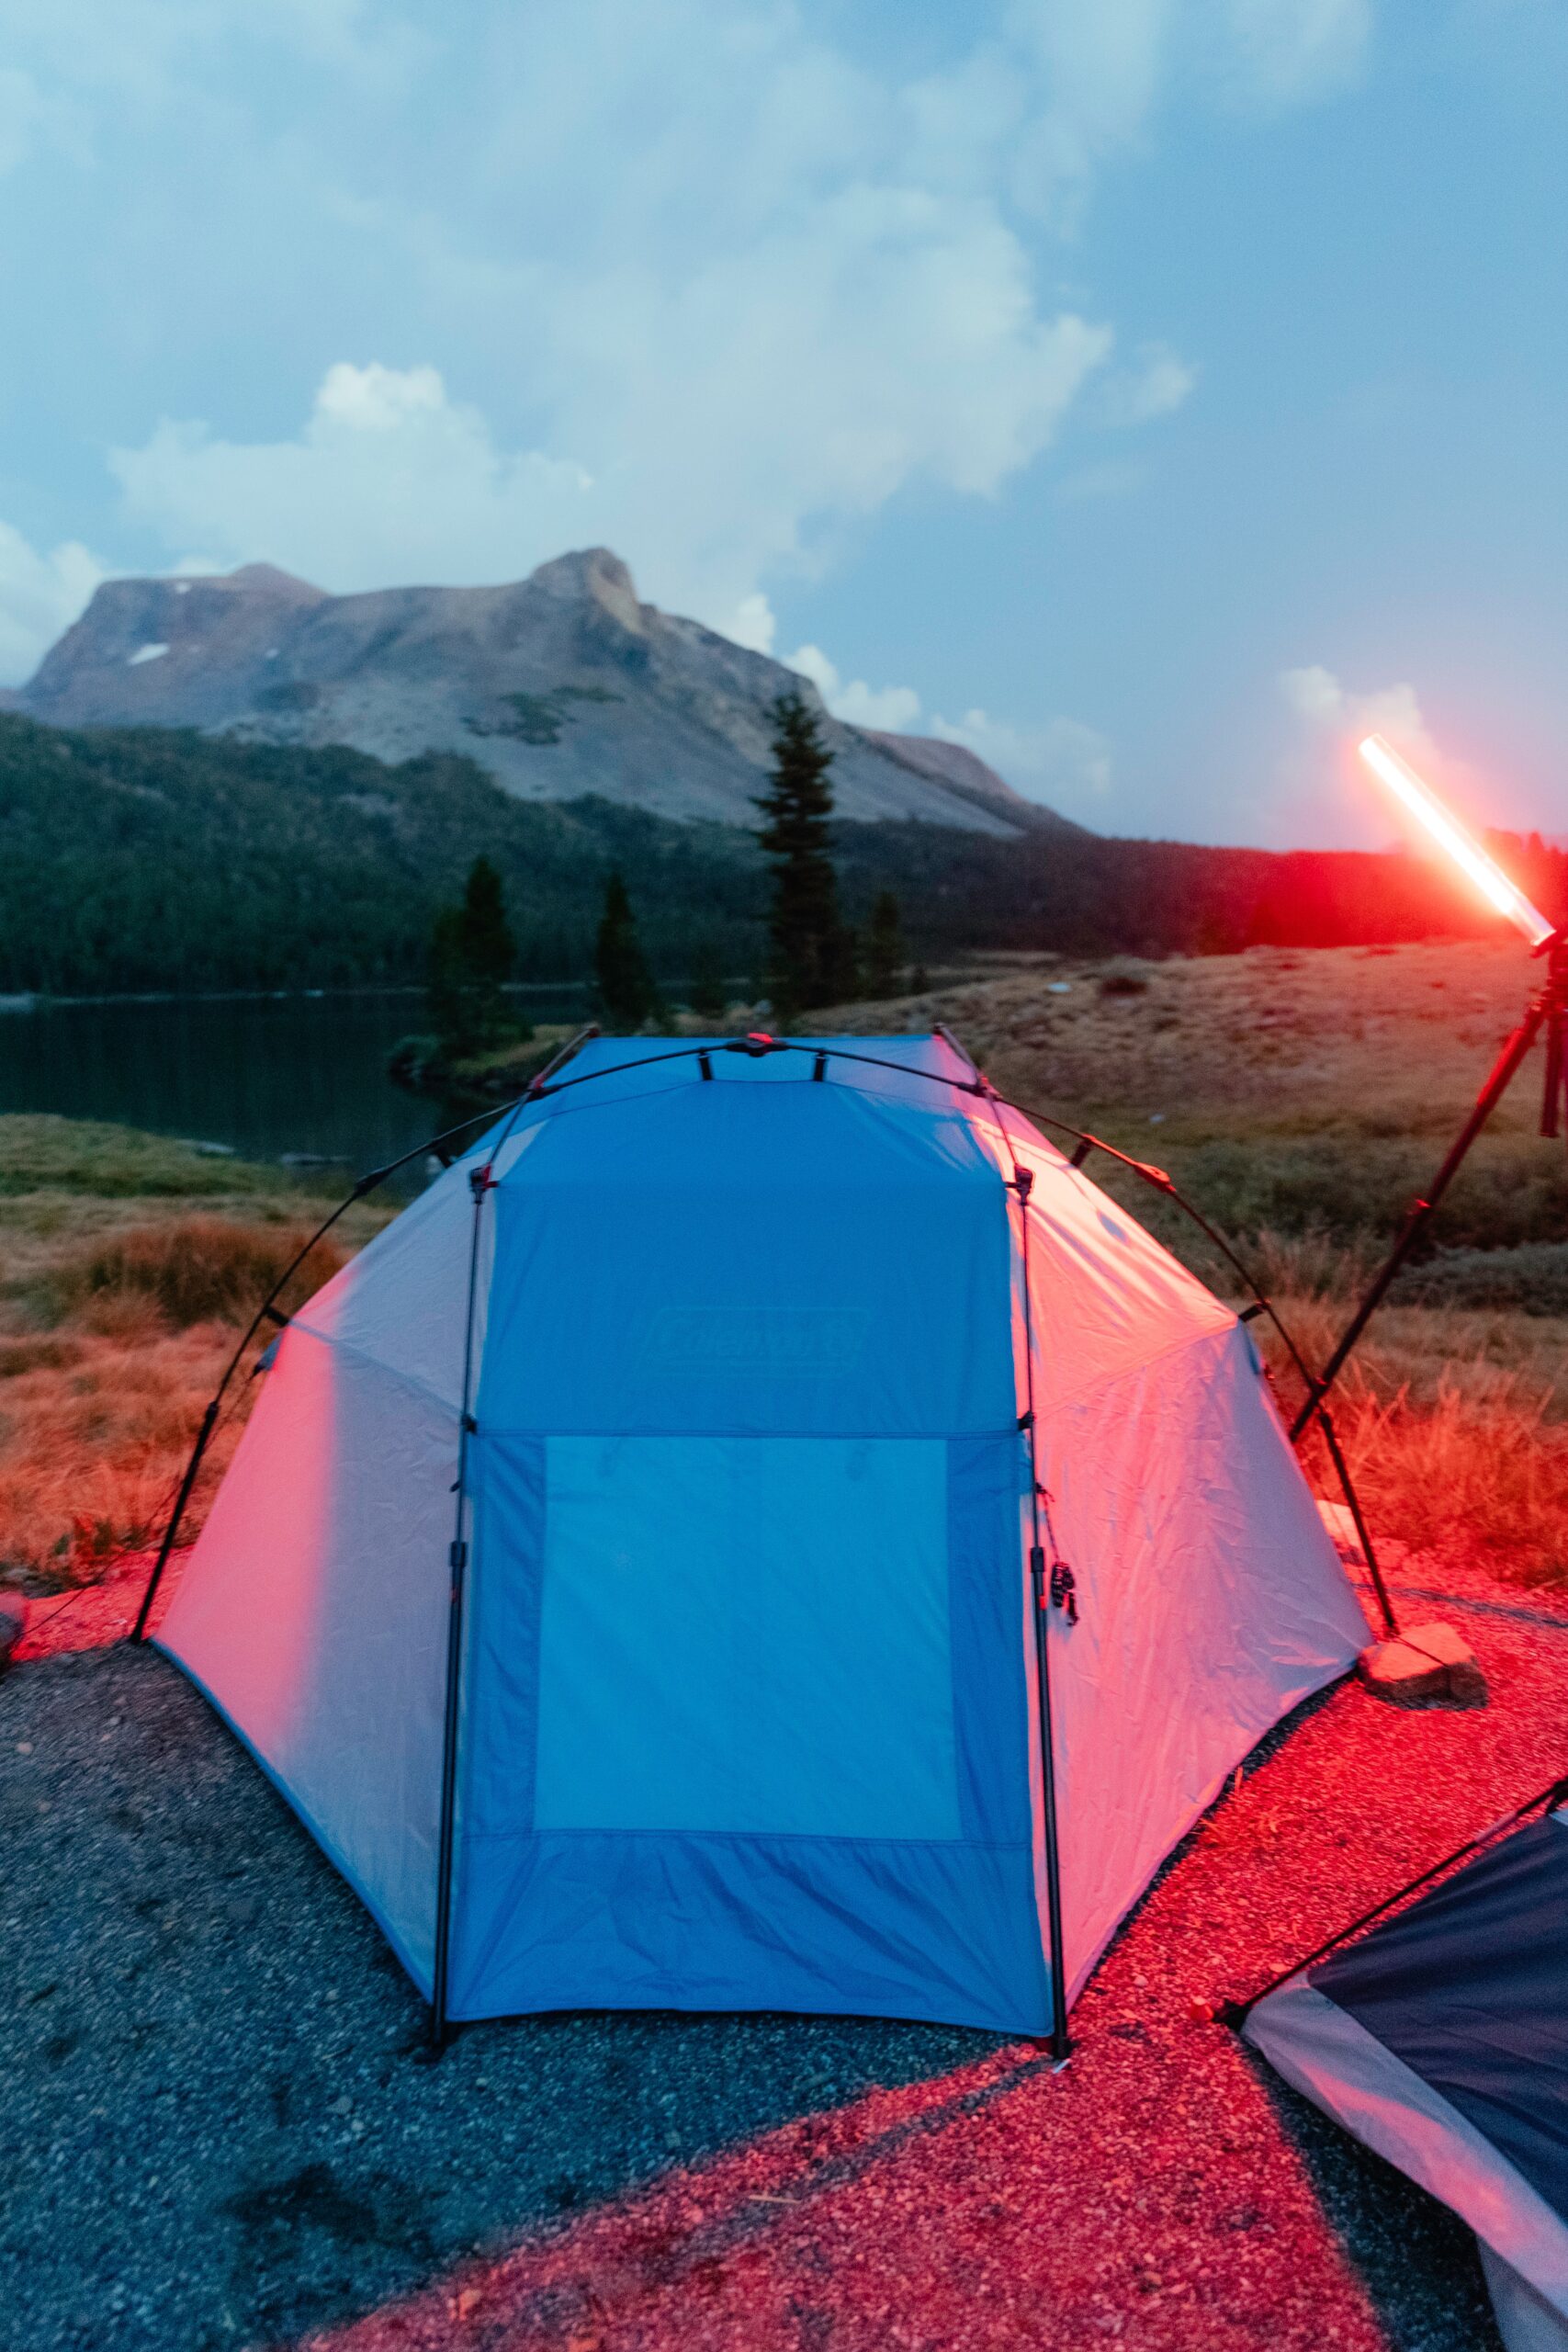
{"type": "Point", "coordinates": [1446, 831]}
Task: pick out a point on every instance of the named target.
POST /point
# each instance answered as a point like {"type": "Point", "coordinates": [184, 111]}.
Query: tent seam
{"type": "Point", "coordinates": [377, 1363]}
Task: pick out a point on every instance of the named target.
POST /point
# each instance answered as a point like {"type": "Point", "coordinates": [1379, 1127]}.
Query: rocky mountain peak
{"type": "Point", "coordinates": [593, 574]}
{"type": "Point", "coordinates": [560, 686]}
{"type": "Point", "coordinates": [263, 580]}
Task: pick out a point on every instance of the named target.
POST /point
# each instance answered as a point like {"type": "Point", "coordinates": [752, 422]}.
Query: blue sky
{"type": "Point", "coordinates": [1149, 393]}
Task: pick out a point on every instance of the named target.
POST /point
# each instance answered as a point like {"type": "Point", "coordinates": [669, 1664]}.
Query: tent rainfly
{"type": "Point", "coordinates": [640, 1566]}
{"type": "Point", "coordinates": [1441, 2041]}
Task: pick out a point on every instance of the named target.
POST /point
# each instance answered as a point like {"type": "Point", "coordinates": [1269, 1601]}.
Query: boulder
{"type": "Point", "coordinates": [1427, 1666]}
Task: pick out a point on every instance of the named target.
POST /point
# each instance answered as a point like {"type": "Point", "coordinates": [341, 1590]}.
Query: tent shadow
{"type": "Point", "coordinates": [221, 2076]}
{"type": "Point", "coordinates": [1416, 2259]}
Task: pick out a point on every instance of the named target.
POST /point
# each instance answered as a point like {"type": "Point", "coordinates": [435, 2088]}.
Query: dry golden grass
{"type": "Point", "coordinates": [1390, 1039]}
{"type": "Point", "coordinates": [192, 1270]}
{"type": "Point", "coordinates": [1486, 1476]}
{"type": "Point", "coordinates": [92, 1444]}
{"type": "Point", "coordinates": [1300, 1099]}
{"type": "Point", "coordinates": [119, 1311]}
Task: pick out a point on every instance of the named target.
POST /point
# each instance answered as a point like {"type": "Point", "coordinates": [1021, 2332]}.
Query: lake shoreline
{"type": "Point", "coordinates": [40, 1001]}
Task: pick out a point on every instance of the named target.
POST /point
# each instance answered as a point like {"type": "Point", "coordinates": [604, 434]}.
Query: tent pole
{"type": "Point", "coordinates": [1061, 2046]}
{"type": "Point", "coordinates": [1041, 1598]}
{"type": "Point", "coordinates": [1235, 2013]}
{"type": "Point", "coordinates": [209, 1421]}
{"type": "Point", "coordinates": [365, 1184]}
{"type": "Point", "coordinates": [481, 1183]}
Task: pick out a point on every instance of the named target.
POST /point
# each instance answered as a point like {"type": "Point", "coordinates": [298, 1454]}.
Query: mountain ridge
{"type": "Point", "coordinates": [558, 686]}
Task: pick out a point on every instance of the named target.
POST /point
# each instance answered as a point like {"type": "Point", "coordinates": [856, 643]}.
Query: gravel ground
{"type": "Point", "coordinates": [217, 2126]}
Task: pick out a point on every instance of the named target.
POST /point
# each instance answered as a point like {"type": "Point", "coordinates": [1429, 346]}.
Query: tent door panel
{"type": "Point", "coordinates": [746, 1635]}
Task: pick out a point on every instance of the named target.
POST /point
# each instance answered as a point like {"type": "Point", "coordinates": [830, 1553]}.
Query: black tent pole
{"type": "Point", "coordinates": [1041, 1597]}
{"type": "Point", "coordinates": [1235, 2013]}
{"type": "Point", "coordinates": [209, 1417]}
{"type": "Point", "coordinates": [1061, 2045]}
{"type": "Point", "coordinates": [481, 1182]}
{"type": "Point", "coordinates": [367, 1184]}
{"type": "Point", "coordinates": [203, 1438]}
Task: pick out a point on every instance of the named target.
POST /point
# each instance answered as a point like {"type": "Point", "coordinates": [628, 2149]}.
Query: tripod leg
{"type": "Point", "coordinates": [1553, 1096]}
{"type": "Point", "coordinates": [1415, 1223]}
{"type": "Point", "coordinates": [1386, 1606]}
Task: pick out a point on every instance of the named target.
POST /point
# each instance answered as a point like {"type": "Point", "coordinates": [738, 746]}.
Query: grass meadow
{"type": "Point", "coordinates": [1299, 1099]}
{"type": "Point", "coordinates": [130, 1266]}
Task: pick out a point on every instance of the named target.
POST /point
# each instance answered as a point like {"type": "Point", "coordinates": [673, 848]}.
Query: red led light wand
{"type": "Point", "coordinates": [1547, 1011]}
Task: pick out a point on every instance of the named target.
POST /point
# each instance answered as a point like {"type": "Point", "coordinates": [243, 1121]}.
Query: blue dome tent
{"type": "Point", "coordinates": [1440, 2040]}
{"type": "Point", "coordinates": [639, 1565]}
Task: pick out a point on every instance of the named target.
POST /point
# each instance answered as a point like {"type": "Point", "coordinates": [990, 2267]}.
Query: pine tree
{"type": "Point", "coordinates": [885, 954]}
{"type": "Point", "coordinates": [706, 988]}
{"type": "Point", "coordinates": [491, 947]}
{"type": "Point", "coordinates": [627, 996]}
{"type": "Point", "coordinates": [472, 954]}
{"type": "Point", "coordinates": [813, 954]}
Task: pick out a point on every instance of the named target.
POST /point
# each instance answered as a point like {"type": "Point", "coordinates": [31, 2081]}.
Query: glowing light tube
{"type": "Point", "coordinates": [1446, 830]}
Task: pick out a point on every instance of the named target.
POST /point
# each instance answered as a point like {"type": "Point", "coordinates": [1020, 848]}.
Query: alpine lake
{"type": "Point", "coordinates": [298, 1079]}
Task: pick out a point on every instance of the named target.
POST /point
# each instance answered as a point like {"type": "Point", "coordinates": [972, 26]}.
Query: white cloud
{"type": "Point", "coordinates": [752, 624]}
{"type": "Point", "coordinates": [40, 596]}
{"type": "Point", "coordinates": [1158, 382]}
{"type": "Point", "coordinates": [894, 709]}
{"type": "Point", "coordinates": [711, 433]}
{"type": "Point", "coordinates": [1099, 71]}
{"type": "Point", "coordinates": [1100, 68]}
{"type": "Point", "coordinates": [1287, 52]}
{"type": "Point", "coordinates": [390, 480]}
{"type": "Point", "coordinates": [688, 280]}
{"type": "Point", "coordinates": [1322, 796]}
{"type": "Point", "coordinates": [1062, 762]}
{"type": "Point", "coordinates": [793, 289]}
{"type": "Point", "coordinates": [1316, 696]}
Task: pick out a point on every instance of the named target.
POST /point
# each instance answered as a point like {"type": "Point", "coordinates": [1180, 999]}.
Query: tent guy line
{"type": "Point", "coordinates": [755, 1046]}
{"type": "Point", "coordinates": [1237, 2012]}
{"type": "Point", "coordinates": [744, 1600]}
